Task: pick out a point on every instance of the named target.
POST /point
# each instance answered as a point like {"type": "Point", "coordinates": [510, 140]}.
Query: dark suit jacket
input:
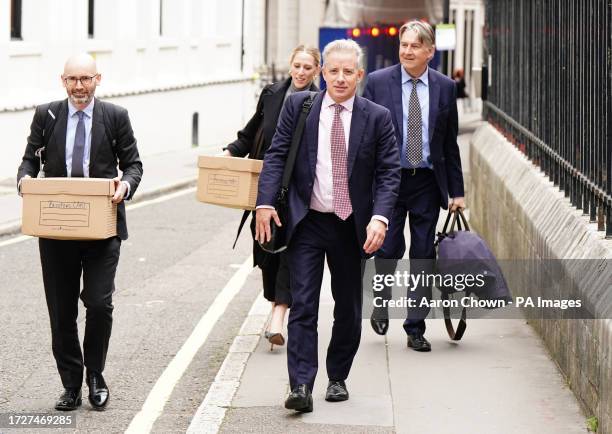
{"type": "Point", "coordinates": [267, 112]}
{"type": "Point", "coordinates": [384, 87]}
{"type": "Point", "coordinates": [103, 157]}
{"type": "Point", "coordinates": [372, 159]}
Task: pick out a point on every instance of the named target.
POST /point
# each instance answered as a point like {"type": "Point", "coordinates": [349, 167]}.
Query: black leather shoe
{"type": "Point", "coordinates": [418, 343]}
{"type": "Point", "coordinates": [336, 391]}
{"type": "Point", "coordinates": [380, 326]}
{"type": "Point", "coordinates": [69, 400]}
{"type": "Point", "coordinates": [98, 391]}
{"type": "Point", "coordinates": [300, 399]}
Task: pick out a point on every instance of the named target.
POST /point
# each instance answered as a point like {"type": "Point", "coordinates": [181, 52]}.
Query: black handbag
{"type": "Point", "coordinates": [278, 240]}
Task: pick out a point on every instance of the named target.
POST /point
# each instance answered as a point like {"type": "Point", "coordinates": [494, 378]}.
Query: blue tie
{"type": "Point", "coordinates": [78, 151]}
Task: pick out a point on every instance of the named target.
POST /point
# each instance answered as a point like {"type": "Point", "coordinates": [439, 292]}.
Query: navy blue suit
{"type": "Point", "coordinates": [422, 191]}
{"type": "Point", "coordinates": [372, 159]}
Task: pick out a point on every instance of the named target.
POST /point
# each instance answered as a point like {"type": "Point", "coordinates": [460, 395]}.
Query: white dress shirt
{"type": "Point", "coordinates": [322, 199]}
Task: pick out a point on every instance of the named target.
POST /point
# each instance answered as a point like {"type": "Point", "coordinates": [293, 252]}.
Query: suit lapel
{"type": "Point", "coordinates": [434, 97]}
{"type": "Point", "coordinates": [395, 86]}
{"type": "Point", "coordinates": [97, 132]}
{"type": "Point", "coordinates": [358, 122]}
{"type": "Point", "coordinates": [59, 135]}
{"type": "Point", "coordinates": [311, 130]}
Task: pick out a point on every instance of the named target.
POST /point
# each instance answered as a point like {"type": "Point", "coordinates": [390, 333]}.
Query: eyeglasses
{"type": "Point", "coordinates": [85, 81]}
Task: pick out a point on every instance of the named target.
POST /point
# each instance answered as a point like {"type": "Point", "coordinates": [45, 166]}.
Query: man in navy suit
{"type": "Point", "coordinates": [348, 147]}
{"type": "Point", "coordinates": [423, 104]}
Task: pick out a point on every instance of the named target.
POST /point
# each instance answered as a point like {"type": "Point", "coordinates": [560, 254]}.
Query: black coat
{"type": "Point", "coordinates": [107, 119]}
{"type": "Point", "coordinates": [268, 110]}
{"type": "Point", "coordinates": [266, 115]}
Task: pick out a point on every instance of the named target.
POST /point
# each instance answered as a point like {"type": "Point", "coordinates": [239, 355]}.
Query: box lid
{"type": "Point", "coordinates": [77, 186]}
{"type": "Point", "coordinates": [230, 163]}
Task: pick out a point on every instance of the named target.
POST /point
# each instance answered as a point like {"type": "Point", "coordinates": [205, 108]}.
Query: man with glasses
{"type": "Point", "coordinates": [82, 136]}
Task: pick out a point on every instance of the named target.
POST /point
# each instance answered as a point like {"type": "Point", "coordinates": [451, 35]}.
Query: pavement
{"type": "Point", "coordinates": [498, 379]}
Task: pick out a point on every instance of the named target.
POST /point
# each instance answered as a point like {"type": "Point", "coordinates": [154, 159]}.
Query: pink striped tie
{"type": "Point", "coordinates": [342, 200]}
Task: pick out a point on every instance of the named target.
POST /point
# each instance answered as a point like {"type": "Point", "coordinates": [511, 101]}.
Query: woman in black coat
{"type": "Point", "coordinates": [254, 140]}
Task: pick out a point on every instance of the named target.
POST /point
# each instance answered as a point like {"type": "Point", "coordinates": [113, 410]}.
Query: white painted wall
{"type": "Point", "coordinates": [292, 22]}
{"type": "Point", "coordinates": [194, 66]}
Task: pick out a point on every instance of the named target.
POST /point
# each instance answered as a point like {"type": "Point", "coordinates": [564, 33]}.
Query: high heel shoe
{"type": "Point", "coordinates": [274, 339]}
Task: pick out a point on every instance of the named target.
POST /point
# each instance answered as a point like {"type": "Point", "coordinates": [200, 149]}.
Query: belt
{"type": "Point", "coordinates": [413, 172]}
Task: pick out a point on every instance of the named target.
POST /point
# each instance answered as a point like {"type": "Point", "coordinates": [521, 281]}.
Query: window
{"type": "Point", "coordinates": [171, 18]}
{"type": "Point", "coordinates": [90, 19]}
{"type": "Point", "coordinates": [16, 19]}
{"type": "Point", "coordinates": [195, 120]}
{"type": "Point", "coordinates": [161, 17]}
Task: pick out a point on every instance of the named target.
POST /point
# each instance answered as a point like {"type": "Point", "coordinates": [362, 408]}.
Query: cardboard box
{"type": "Point", "coordinates": [228, 181]}
{"type": "Point", "coordinates": [69, 208]}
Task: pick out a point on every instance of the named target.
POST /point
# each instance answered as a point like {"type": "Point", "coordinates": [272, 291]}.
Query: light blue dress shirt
{"type": "Point", "coordinates": [73, 120]}
{"type": "Point", "coordinates": [423, 94]}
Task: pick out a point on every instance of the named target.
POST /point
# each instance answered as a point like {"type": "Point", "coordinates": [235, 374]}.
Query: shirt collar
{"type": "Point", "coordinates": [424, 77]}
{"type": "Point", "coordinates": [87, 110]}
{"type": "Point", "coordinates": [348, 104]}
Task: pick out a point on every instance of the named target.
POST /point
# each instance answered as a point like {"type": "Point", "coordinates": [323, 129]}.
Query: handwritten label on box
{"type": "Point", "coordinates": [67, 214]}
{"type": "Point", "coordinates": [223, 185]}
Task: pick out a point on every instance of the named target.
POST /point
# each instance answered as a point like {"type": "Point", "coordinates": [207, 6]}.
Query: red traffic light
{"type": "Point", "coordinates": [375, 31]}
{"type": "Point", "coordinates": [356, 32]}
{"type": "Point", "coordinates": [392, 31]}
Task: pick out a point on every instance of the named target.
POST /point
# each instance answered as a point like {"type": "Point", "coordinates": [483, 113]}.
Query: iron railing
{"type": "Point", "coordinates": [550, 92]}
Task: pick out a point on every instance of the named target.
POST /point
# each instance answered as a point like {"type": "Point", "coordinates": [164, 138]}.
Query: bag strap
{"type": "Point", "coordinates": [48, 127]}
{"type": "Point", "coordinates": [295, 140]}
{"type": "Point", "coordinates": [454, 335]}
{"type": "Point", "coordinates": [245, 216]}
{"type": "Point", "coordinates": [457, 219]}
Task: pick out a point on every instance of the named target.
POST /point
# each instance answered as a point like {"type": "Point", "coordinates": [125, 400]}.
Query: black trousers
{"type": "Point", "coordinates": [63, 262]}
{"type": "Point", "coordinates": [276, 280]}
